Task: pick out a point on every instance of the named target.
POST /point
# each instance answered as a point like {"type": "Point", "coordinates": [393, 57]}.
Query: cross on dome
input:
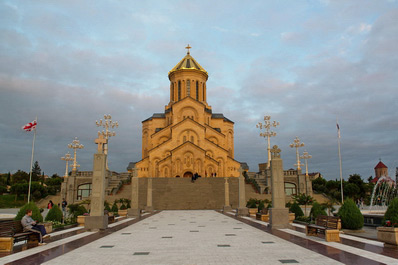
{"type": "Point", "coordinates": [188, 47]}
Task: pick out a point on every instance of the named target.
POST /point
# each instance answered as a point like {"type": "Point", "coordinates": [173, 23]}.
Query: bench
{"type": "Point", "coordinates": [326, 225]}
{"type": "Point", "coordinates": [11, 232]}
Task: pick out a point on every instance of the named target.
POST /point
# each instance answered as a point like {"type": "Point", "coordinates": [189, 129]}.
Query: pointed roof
{"type": "Point", "coordinates": [380, 165]}
{"type": "Point", "coordinates": [188, 62]}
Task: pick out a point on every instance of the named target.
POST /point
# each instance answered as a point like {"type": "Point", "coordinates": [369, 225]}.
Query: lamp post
{"type": "Point", "coordinates": [107, 124]}
{"type": "Point", "coordinates": [75, 145]}
{"type": "Point", "coordinates": [267, 134]}
{"type": "Point", "coordinates": [66, 158]}
{"type": "Point", "coordinates": [297, 144]}
{"type": "Point", "coordinates": [306, 156]}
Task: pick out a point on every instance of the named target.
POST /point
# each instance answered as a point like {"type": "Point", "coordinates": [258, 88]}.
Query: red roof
{"type": "Point", "coordinates": [380, 165]}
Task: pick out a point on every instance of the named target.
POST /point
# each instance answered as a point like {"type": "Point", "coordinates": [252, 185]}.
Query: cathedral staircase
{"type": "Point", "coordinates": [116, 181]}
{"type": "Point", "coordinates": [183, 194]}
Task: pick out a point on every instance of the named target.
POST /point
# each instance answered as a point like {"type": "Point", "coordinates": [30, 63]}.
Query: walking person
{"type": "Point", "coordinates": [64, 204]}
{"type": "Point", "coordinates": [29, 224]}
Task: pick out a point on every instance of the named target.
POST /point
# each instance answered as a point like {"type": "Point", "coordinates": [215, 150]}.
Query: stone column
{"type": "Point", "coordinates": [279, 214]}
{"type": "Point", "coordinates": [149, 207]}
{"type": "Point", "coordinates": [242, 209]}
{"type": "Point", "coordinates": [97, 219]}
{"type": "Point", "coordinates": [227, 205]}
{"type": "Point", "coordinates": [70, 188]}
{"type": "Point", "coordinates": [135, 209]}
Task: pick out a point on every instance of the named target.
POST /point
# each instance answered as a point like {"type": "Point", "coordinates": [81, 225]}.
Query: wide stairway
{"type": "Point", "coordinates": [181, 193]}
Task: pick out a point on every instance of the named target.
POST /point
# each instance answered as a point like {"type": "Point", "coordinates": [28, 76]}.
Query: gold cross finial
{"type": "Point", "coordinates": [188, 47]}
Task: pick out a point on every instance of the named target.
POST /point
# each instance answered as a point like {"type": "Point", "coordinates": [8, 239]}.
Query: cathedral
{"type": "Point", "coordinates": [188, 138]}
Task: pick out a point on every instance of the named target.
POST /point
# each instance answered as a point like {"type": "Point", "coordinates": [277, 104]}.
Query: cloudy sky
{"type": "Point", "coordinates": [305, 63]}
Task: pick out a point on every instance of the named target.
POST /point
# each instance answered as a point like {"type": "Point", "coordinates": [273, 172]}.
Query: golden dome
{"type": "Point", "coordinates": [188, 62]}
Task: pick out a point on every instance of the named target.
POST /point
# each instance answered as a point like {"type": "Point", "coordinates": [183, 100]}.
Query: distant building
{"type": "Point", "coordinates": [380, 171]}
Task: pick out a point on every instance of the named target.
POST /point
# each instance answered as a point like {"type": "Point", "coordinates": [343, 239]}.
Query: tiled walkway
{"type": "Point", "coordinates": [202, 237]}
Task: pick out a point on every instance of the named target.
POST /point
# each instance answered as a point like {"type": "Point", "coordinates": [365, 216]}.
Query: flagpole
{"type": "Point", "coordinates": [341, 171]}
{"type": "Point", "coordinates": [31, 162]}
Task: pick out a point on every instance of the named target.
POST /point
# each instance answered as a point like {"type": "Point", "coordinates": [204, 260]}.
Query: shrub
{"type": "Point", "coordinates": [392, 212]}
{"type": "Point", "coordinates": [351, 216]}
{"type": "Point", "coordinates": [35, 212]}
{"type": "Point", "coordinates": [75, 210]}
{"type": "Point", "coordinates": [303, 219]}
{"type": "Point", "coordinates": [251, 203]}
{"type": "Point", "coordinates": [260, 206]}
{"type": "Point", "coordinates": [316, 210]}
{"type": "Point", "coordinates": [128, 204]}
{"type": "Point", "coordinates": [114, 207]}
{"type": "Point", "coordinates": [123, 207]}
{"type": "Point", "coordinates": [55, 214]}
{"type": "Point", "coordinates": [107, 206]}
{"type": "Point", "coordinates": [295, 208]}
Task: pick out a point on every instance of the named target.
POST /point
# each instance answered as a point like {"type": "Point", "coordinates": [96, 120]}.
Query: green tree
{"type": "Point", "coordinates": [303, 199]}
{"type": "Point", "coordinates": [392, 212]}
{"type": "Point", "coordinates": [316, 210]}
{"type": "Point", "coordinates": [296, 209]}
{"type": "Point", "coordinates": [36, 215]}
{"type": "Point", "coordinates": [8, 179]}
{"type": "Point", "coordinates": [351, 216]}
{"type": "Point", "coordinates": [19, 177]}
{"type": "Point", "coordinates": [55, 214]}
{"type": "Point", "coordinates": [351, 190]}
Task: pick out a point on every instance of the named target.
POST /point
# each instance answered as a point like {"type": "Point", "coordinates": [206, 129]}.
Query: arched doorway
{"type": "Point", "coordinates": [188, 174]}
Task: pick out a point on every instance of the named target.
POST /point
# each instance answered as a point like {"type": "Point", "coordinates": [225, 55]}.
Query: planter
{"type": "Point", "coordinates": [80, 220]}
{"type": "Point", "coordinates": [122, 212]}
{"type": "Point", "coordinates": [253, 211]}
{"type": "Point", "coordinates": [292, 216]}
{"type": "Point", "coordinates": [263, 217]}
{"type": "Point", "coordinates": [388, 235]}
{"type": "Point", "coordinates": [48, 226]}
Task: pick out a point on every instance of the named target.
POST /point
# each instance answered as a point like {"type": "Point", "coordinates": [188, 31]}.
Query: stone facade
{"type": "Point", "coordinates": [188, 137]}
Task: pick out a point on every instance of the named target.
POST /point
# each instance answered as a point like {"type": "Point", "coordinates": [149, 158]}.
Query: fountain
{"type": "Point", "coordinates": [383, 192]}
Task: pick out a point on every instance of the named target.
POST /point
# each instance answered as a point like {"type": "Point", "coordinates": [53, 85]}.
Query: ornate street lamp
{"type": "Point", "coordinates": [66, 158]}
{"type": "Point", "coordinates": [306, 156]}
{"type": "Point", "coordinates": [107, 124]}
{"type": "Point", "coordinates": [296, 144]}
{"type": "Point", "coordinates": [75, 145]}
{"type": "Point", "coordinates": [267, 133]}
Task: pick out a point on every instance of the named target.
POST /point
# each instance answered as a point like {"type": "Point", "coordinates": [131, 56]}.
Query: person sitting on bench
{"type": "Point", "coordinates": [29, 224]}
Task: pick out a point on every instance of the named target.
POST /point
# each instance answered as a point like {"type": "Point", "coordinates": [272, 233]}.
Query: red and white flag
{"type": "Point", "coordinates": [30, 126]}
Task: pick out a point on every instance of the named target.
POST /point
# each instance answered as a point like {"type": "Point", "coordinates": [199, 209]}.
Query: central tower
{"type": "Point", "coordinates": [187, 138]}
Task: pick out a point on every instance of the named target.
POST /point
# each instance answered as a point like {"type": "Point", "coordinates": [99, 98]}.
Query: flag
{"type": "Point", "coordinates": [338, 130]}
{"type": "Point", "coordinates": [30, 126]}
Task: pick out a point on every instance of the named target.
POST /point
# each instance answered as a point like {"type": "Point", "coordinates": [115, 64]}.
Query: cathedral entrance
{"type": "Point", "coordinates": [188, 174]}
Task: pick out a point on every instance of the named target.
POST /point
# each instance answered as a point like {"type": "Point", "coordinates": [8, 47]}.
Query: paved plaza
{"type": "Point", "coordinates": [201, 237]}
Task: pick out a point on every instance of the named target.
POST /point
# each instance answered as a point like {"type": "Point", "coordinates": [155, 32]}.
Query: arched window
{"type": "Point", "coordinates": [179, 90]}
{"type": "Point", "coordinates": [192, 139]}
{"type": "Point", "coordinates": [290, 189]}
{"type": "Point", "coordinates": [197, 90]}
{"type": "Point", "coordinates": [185, 139]}
{"type": "Point", "coordinates": [188, 88]}
{"type": "Point", "coordinates": [83, 191]}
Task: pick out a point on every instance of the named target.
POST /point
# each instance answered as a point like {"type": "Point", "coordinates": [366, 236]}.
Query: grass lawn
{"type": "Point", "coordinates": [11, 201]}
